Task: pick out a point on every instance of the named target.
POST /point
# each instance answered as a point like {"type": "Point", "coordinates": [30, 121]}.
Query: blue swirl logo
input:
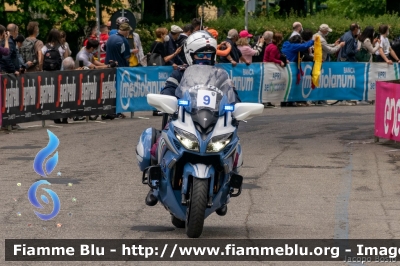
{"type": "Point", "coordinates": [45, 169]}
{"type": "Point", "coordinates": [32, 198]}
{"type": "Point", "coordinates": [44, 153]}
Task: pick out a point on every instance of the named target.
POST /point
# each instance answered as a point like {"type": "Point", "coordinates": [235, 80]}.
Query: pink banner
{"type": "Point", "coordinates": [1, 102]}
{"type": "Point", "coordinates": [387, 110]}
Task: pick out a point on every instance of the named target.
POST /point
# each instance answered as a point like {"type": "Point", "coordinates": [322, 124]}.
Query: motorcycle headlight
{"type": "Point", "coordinates": [217, 143]}
{"type": "Point", "coordinates": [188, 140]}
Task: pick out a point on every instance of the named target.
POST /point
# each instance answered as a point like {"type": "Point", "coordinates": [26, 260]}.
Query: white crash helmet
{"type": "Point", "coordinates": [200, 41]}
{"type": "Point", "coordinates": [121, 20]}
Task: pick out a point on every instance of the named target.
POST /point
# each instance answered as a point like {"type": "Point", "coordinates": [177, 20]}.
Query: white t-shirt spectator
{"type": "Point", "coordinates": [66, 48]}
{"type": "Point", "coordinates": [385, 45]}
{"type": "Point", "coordinates": [84, 56]}
{"type": "Point", "coordinates": [60, 49]}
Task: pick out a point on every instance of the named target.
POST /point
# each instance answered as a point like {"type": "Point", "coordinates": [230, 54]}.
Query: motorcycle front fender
{"type": "Point", "coordinates": [200, 171]}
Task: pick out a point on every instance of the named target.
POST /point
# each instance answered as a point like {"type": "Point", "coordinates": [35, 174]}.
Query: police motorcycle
{"type": "Point", "coordinates": [195, 170]}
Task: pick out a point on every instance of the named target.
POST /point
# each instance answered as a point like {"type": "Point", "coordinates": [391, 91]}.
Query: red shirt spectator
{"type": "Point", "coordinates": [92, 37]}
{"type": "Point", "coordinates": [272, 53]}
{"type": "Point", "coordinates": [103, 40]}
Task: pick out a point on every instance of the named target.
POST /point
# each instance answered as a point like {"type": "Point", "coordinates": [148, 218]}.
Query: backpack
{"type": "Point", "coordinates": [363, 55]}
{"type": "Point", "coordinates": [52, 59]}
{"type": "Point", "coordinates": [28, 52]}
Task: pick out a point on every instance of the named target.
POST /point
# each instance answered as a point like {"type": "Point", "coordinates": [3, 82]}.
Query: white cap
{"type": "Point", "coordinates": [176, 29]}
{"type": "Point", "coordinates": [325, 27]}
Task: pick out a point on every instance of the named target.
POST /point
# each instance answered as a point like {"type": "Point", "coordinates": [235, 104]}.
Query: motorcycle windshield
{"type": "Point", "coordinates": [206, 88]}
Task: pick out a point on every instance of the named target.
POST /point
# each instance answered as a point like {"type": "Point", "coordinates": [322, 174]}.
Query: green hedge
{"type": "Point", "coordinates": [258, 25]}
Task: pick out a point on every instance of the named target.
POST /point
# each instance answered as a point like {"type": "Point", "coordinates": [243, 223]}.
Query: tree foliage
{"type": "Point", "coordinates": [69, 15]}
{"type": "Point", "coordinates": [356, 8]}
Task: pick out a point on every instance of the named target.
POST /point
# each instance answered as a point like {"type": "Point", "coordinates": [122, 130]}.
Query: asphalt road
{"type": "Point", "coordinates": [310, 172]}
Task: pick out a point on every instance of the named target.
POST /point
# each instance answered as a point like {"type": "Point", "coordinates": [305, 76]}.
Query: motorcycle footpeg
{"type": "Point", "coordinates": [184, 200]}
{"type": "Point", "coordinates": [145, 176]}
{"type": "Point", "coordinates": [210, 202]}
{"type": "Point", "coordinates": [154, 174]}
{"type": "Point", "coordinates": [236, 183]}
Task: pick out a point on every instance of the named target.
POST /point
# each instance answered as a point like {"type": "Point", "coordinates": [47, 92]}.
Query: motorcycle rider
{"type": "Point", "coordinates": [200, 48]}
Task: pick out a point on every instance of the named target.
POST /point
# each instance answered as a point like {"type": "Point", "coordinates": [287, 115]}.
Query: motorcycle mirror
{"type": "Point", "coordinates": [247, 110]}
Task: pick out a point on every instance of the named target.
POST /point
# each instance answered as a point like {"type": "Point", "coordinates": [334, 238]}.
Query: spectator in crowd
{"type": "Point", "coordinates": [171, 46]}
{"type": "Point", "coordinates": [297, 29]}
{"type": "Point", "coordinates": [64, 43]}
{"type": "Point", "coordinates": [68, 64]}
{"type": "Point", "coordinates": [385, 52]}
{"type": "Point", "coordinates": [245, 48]}
{"type": "Point", "coordinates": [235, 53]}
{"type": "Point", "coordinates": [137, 51]}
{"type": "Point", "coordinates": [117, 48]}
{"type": "Point", "coordinates": [103, 41]}
{"type": "Point", "coordinates": [294, 47]}
{"type": "Point", "coordinates": [92, 35]}
{"type": "Point", "coordinates": [213, 33]}
{"type": "Point", "coordinates": [196, 24]}
{"type": "Point", "coordinates": [118, 51]}
{"type": "Point", "coordinates": [86, 55]}
{"type": "Point", "coordinates": [327, 49]}
{"type": "Point", "coordinates": [307, 56]}
{"type": "Point", "coordinates": [267, 36]}
{"type": "Point", "coordinates": [348, 52]}
{"type": "Point", "coordinates": [367, 42]}
{"type": "Point", "coordinates": [272, 53]}
{"type": "Point", "coordinates": [50, 61]}
{"type": "Point", "coordinates": [158, 45]}
{"type": "Point", "coordinates": [119, 21]}
{"type": "Point", "coordinates": [109, 26]}
{"type": "Point", "coordinates": [224, 48]}
{"type": "Point", "coordinates": [23, 66]}
{"type": "Point", "coordinates": [35, 55]}
{"type": "Point", "coordinates": [10, 63]}
{"type": "Point", "coordinates": [187, 30]}
{"type": "Point", "coordinates": [4, 37]}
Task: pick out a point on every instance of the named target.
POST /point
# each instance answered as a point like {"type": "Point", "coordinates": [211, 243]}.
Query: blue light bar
{"type": "Point", "coordinates": [183, 103]}
{"type": "Point", "coordinates": [229, 108]}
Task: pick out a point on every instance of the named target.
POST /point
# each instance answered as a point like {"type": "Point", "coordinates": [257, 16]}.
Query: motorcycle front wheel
{"type": "Point", "coordinates": [195, 211]}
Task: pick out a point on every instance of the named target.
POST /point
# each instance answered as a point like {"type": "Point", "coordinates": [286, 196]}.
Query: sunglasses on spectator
{"type": "Point", "coordinates": [202, 55]}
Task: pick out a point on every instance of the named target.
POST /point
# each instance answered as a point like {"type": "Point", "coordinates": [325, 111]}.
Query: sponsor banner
{"type": "Point", "coordinates": [387, 110]}
{"type": "Point", "coordinates": [0, 103]}
{"type": "Point", "coordinates": [338, 81]}
{"type": "Point", "coordinates": [133, 85]}
{"type": "Point", "coordinates": [275, 82]}
{"type": "Point", "coordinates": [380, 71]}
{"type": "Point", "coordinates": [52, 95]}
{"type": "Point", "coordinates": [247, 80]}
